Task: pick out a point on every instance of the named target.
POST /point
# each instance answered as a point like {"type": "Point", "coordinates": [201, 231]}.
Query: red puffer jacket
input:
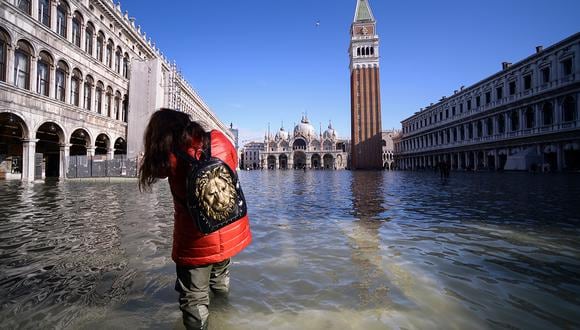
{"type": "Point", "coordinates": [190, 246]}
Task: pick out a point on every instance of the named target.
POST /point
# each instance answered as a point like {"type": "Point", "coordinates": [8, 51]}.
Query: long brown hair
{"type": "Point", "coordinates": [167, 129]}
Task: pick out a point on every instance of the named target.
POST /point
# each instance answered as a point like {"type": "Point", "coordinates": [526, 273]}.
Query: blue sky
{"type": "Point", "coordinates": [256, 62]}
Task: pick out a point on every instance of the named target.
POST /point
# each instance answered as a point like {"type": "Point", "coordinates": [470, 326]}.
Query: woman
{"type": "Point", "coordinates": [202, 261]}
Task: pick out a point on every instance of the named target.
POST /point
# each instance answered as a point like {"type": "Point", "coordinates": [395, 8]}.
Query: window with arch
{"type": "Point", "coordinates": [77, 22]}
{"type": "Point", "coordinates": [530, 118]}
{"type": "Point", "coordinates": [547, 114]}
{"type": "Point", "coordinates": [61, 18]}
{"type": "Point", "coordinates": [43, 66]}
{"type": "Point", "coordinates": [567, 66]}
{"type": "Point", "coordinates": [501, 123]}
{"type": "Point", "coordinates": [75, 87]}
{"type": "Point", "coordinates": [99, 97]}
{"type": "Point", "coordinates": [109, 54]}
{"type": "Point", "coordinates": [22, 57]}
{"type": "Point", "coordinates": [515, 121]}
{"type": "Point", "coordinates": [25, 6]}
{"type": "Point", "coordinates": [358, 51]}
{"type": "Point", "coordinates": [117, 105]}
{"type": "Point", "coordinates": [88, 90]}
{"type": "Point", "coordinates": [118, 60]}
{"type": "Point", "coordinates": [372, 50]}
{"type": "Point", "coordinates": [489, 127]}
{"type": "Point", "coordinates": [100, 45]}
{"type": "Point", "coordinates": [4, 42]}
{"type": "Point", "coordinates": [89, 33]}
{"type": "Point", "coordinates": [569, 109]}
{"type": "Point", "coordinates": [60, 80]}
{"type": "Point", "coordinates": [108, 102]}
{"type": "Point", "coordinates": [44, 12]}
{"type": "Point", "coordinates": [479, 129]}
{"type": "Point", "coordinates": [126, 66]}
{"type": "Point", "coordinates": [125, 112]}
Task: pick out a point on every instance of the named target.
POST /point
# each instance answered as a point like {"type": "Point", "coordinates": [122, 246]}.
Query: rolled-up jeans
{"type": "Point", "coordinates": [193, 285]}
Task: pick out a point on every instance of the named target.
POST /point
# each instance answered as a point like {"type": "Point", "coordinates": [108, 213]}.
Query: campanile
{"type": "Point", "coordinates": [365, 93]}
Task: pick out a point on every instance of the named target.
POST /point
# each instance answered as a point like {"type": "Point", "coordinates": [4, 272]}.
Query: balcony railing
{"type": "Point", "coordinates": [567, 126]}
{"type": "Point", "coordinates": [494, 104]}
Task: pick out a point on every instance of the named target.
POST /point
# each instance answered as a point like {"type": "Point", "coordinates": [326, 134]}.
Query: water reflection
{"type": "Point", "coordinates": [334, 250]}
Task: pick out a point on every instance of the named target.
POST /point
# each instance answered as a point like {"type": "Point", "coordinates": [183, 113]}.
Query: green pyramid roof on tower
{"type": "Point", "coordinates": [363, 11]}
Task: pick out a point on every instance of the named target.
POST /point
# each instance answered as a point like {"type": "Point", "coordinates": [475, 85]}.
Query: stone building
{"type": "Point", "coordinates": [365, 90]}
{"type": "Point", "coordinates": [304, 148]}
{"type": "Point", "coordinates": [250, 155]}
{"type": "Point", "coordinates": [525, 117]}
{"type": "Point", "coordinates": [388, 138]}
{"type": "Point", "coordinates": [69, 73]}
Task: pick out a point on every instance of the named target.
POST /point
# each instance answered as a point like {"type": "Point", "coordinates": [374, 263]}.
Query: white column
{"type": "Point", "coordinates": [28, 153]}
{"type": "Point", "coordinates": [90, 151]}
{"type": "Point", "coordinates": [53, 6]}
{"type": "Point", "coordinates": [94, 48]}
{"type": "Point", "coordinates": [10, 64]}
{"type": "Point", "coordinates": [94, 97]}
{"type": "Point", "coordinates": [67, 88]}
{"type": "Point", "coordinates": [64, 154]}
{"type": "Point", "coordinates": [34, 9]}
{"type": "Point", "coordinates": [557, 113]}
{"type": "Point", "coordinates": [82, 32]}
{"type": "Point", "coordinates": [560, 157]}
{"type": "Point", "coordinates": [538, 115]}
{"type": "Point", "coordinates": [52, 80]}
{"type": "Point", "coordinates": [33, 71]}
{"type": "Point", "coordinates": [81, 93]}
{"type": "Point", "coordinates": [110, 153]}
{"type": "Point", "coordinates": [69, 27]}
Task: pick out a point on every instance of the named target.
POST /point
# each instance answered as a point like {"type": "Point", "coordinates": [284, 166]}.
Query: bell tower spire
{"type": "Point", "coordinates": [365, 90]}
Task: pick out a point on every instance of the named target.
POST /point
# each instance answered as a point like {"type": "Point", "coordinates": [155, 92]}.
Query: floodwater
{"type": "Point", "coordinates": [331, 250]}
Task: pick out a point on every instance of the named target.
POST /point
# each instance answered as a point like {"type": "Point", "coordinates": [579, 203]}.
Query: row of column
{"type": "Point", "coordinates": [29, 153]}
{"type": "Point", "coordinates": [440, 137]}
{"type": "Point", "coordinates": [471, 159]}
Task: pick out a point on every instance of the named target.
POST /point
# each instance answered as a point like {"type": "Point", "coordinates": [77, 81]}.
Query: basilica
{"type": "Point", "coordinates": [305, 149]}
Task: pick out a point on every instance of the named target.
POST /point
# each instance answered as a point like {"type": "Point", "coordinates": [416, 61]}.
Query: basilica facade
{"type": "Point", "coordinates": [305, 149]}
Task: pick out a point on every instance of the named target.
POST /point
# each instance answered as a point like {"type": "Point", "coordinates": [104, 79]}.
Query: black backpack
{"type": "Point", "coordinates": [214, 195]}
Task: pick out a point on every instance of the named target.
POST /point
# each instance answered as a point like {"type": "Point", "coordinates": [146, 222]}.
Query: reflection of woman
{"type": "Point", "coordinates": [202, 260]}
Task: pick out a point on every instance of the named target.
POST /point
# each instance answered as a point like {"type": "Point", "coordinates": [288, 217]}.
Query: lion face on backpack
{"type": "Point", "coordinates": [216, 193]}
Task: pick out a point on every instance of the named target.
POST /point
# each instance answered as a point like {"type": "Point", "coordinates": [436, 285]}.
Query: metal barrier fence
{"type": "Point", "coordinates": [94, 167]}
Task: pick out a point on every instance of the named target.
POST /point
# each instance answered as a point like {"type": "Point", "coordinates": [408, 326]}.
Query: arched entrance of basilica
{"type": "Point", "coordinates": [271, 162]}
{"type": "Point", "coordinates": [299, 160]}
{"type": "Point", "coordinates": [283, 160]}
{"type": "Point", "coordinates": [315, 161]}
{"type": "Point", "coordinates": [328, 162]}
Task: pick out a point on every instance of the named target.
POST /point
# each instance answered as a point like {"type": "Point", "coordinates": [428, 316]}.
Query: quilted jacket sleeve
{"type": "Point", "coordinates": [222, 148]}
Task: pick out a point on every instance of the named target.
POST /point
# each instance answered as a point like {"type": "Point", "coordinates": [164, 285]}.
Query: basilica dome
{"type": "Point", "coordinates": [304, 128]}
{"type": "Point", "coordinates": [330, 133]}
{"type": "Point", "coordinates": [282, 134]}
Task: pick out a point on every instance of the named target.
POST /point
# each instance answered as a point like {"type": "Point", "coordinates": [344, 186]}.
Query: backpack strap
{"type": "Point", "coordinates": [185, 156]}
{"type": "Point", "coordinates": [207, 146]}
{"type": "Point", "coordinates": [206, 152]}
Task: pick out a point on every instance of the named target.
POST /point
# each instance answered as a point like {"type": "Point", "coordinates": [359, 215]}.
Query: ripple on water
{"type": "Point", "coordinates": [334, 250]}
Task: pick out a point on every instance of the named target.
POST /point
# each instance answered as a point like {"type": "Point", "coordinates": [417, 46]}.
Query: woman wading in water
{"type": "Point", "coordinates": [202, 261]}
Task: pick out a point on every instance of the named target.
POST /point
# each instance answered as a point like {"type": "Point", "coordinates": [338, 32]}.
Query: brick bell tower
{"type": "Point", "coordinates": [365, 90]}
